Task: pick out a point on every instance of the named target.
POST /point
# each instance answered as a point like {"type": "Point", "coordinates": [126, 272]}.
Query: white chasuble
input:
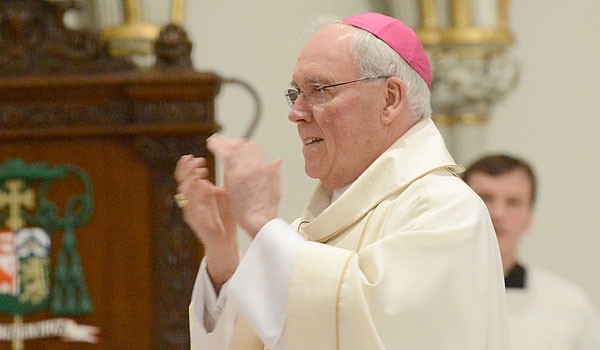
{"type": "Point", "coordinates": [406, 258]}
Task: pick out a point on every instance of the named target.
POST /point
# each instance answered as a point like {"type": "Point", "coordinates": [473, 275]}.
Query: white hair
{"type": "Point", "coordinates": [375, 58]}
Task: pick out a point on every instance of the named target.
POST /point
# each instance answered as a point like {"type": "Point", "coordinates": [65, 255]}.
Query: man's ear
{"type": "Point", "coordinates": [394, 100]}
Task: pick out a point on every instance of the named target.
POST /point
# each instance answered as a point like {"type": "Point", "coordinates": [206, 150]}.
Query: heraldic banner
{"type": "Point", "coordinates": [30, 281]}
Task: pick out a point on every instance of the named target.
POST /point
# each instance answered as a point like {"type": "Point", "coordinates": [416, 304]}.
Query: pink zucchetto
{"type": "Point", "coordinates": [398, 36]}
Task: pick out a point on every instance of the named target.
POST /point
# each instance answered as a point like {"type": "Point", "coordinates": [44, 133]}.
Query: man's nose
{"type": "Point", "coordinates": [301, 111]}
{"type": "Point", "coordinates": [496, 210]}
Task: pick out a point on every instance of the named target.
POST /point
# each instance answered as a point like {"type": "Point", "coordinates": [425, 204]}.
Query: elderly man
{"type": "Point", "coordinates": [393, 250]}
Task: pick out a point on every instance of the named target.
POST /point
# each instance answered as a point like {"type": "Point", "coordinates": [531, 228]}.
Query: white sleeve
{"type": "Point", "coordinates": [212, 319]}
{"type": "Point", "coordinates": [260, 285]}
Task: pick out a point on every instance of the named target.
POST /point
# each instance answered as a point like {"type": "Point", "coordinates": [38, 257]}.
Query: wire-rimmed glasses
{"type": "Point", "coordinates": [315, 94]}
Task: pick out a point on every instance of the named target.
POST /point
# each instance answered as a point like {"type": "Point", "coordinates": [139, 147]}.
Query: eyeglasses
{"type": "Point", "coordinates": [315, 95]}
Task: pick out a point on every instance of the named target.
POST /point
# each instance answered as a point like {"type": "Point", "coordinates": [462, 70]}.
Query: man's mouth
{"type": "Point", "coordinates": [312, 140]}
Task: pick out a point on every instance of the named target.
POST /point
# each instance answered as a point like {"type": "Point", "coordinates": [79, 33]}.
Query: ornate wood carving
{"type": "Point", "coordinates": [162, 116]}
{"type": "Point", "coordinates": [33, 38]}
{"type": "Point", "coordinates": [172, 48]}
{"type": "Point", "coordinates": [174, 244]}
{"type": "Point", "coordinates": [58, 84]}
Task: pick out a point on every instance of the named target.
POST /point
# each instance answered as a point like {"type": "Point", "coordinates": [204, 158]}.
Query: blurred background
{"type": "Point", "coordinates": [546, 114]}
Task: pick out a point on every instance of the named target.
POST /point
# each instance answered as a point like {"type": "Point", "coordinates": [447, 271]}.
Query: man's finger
{"type": "Point", "coordinates": [223, 147]}
{"type": "Point", "coordinates": [186, 165]}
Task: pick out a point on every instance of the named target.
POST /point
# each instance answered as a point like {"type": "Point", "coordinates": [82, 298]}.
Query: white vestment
{"type": "Point", "coordinates": [550, 313]}
{"type": "Point", "coordinates": [406, 258]}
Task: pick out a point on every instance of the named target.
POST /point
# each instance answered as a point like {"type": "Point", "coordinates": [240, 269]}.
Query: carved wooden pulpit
{"type": "Point", "coordinates": [65, 100]}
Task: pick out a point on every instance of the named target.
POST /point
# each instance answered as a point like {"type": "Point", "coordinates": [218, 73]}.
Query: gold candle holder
{"type": "Point", "coordinates": [134, 36]}
{"type": "Point", "coordinates": [471, 70]}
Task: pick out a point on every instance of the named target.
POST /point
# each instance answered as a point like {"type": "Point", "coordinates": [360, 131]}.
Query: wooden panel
{"type": "Point", "coordinates": [138, 256]}
{"type": "Point", "coordinates": [115, 245]}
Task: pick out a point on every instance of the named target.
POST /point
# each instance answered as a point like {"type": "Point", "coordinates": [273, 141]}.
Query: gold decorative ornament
{"type": "Point", "coordinates": [470, 64]}
{"type": "Point", "coordinates": [466, 119]}
{"type": "Point", "coordinates": [461, 30]}
{"type": "Point", "coordinates": [136, 37]}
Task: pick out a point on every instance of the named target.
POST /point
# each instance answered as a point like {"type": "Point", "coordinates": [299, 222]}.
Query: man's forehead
{"type": "Point", "coordinates": [515, 181]}
{"type": "Point", "coordinates": [332, 41]}
{"type": "Point", "coordinates": [326, 56]}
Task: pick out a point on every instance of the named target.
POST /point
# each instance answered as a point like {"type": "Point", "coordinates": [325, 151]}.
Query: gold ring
{"type": "Point", "coordinates": [180, 200]}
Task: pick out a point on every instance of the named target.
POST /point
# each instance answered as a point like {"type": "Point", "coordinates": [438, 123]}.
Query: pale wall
{"type": "Point", "coordinates": [550, 119]}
